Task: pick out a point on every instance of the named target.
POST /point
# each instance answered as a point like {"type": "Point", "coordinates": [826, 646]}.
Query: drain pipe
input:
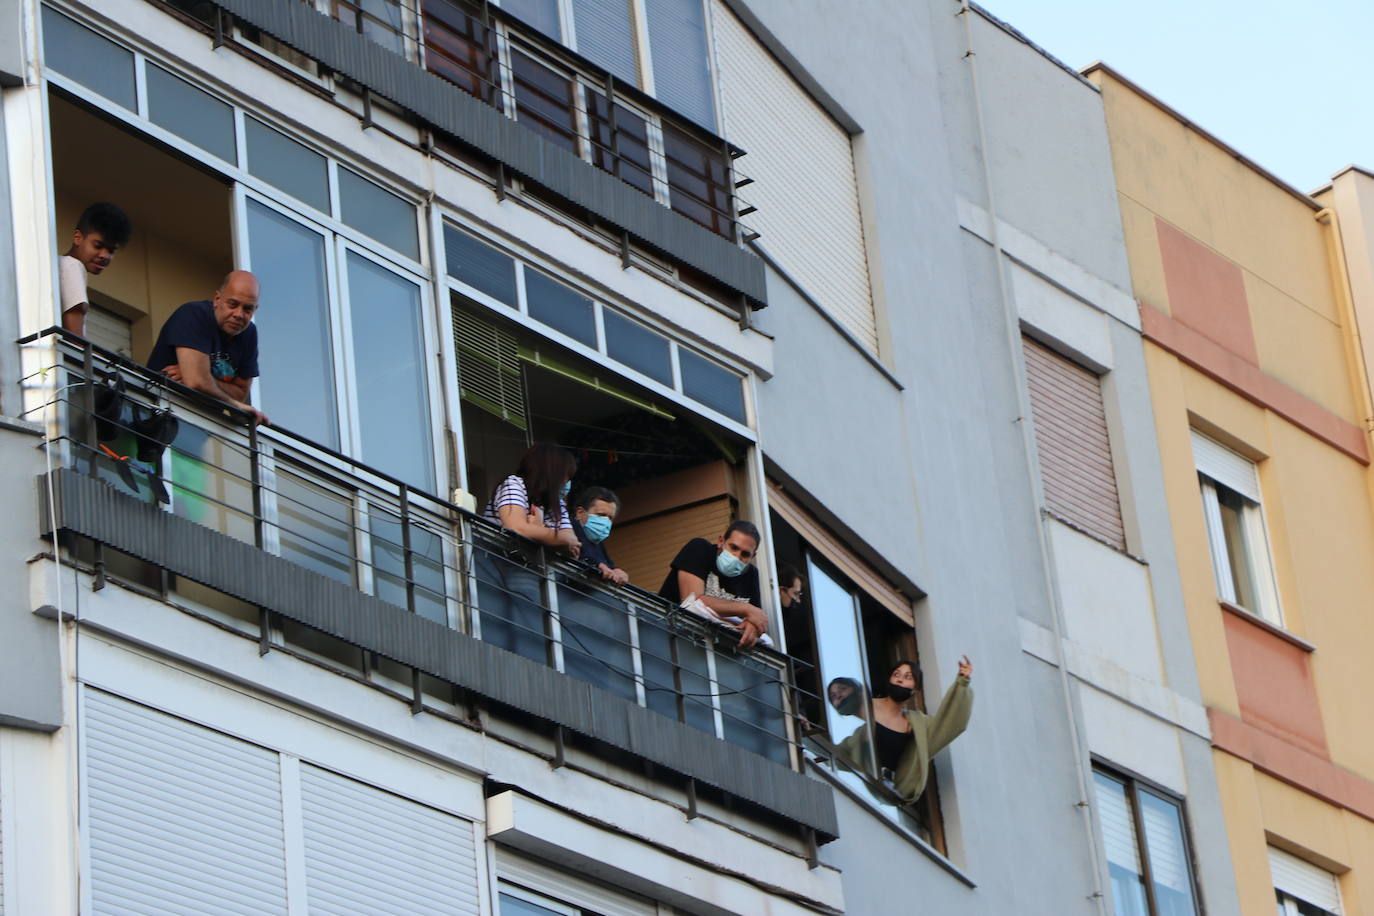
{"type": "Point", "coordinates": [1028, 450]}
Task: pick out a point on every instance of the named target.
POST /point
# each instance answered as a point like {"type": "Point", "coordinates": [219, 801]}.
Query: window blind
{"type": "Point", "coordinates": [1118, 825]}
{"type": "Point", "coordinates": [1303, 880]}
{"type": "Point", "coordinates": [606, 34]}
{"type": "Point", "coordinates": [1226, 467]}
{"type": "Point", "coordinates": [1072, 442]}
{"type": "Point", "coordinates": [182, 819]}
{"type": "Point", "coordinates": [682, 72]}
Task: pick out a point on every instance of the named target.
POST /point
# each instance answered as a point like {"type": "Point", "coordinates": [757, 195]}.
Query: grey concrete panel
{"type": "Point", "coordinates": [94, 509]}
{"type": "Point", "coordinates": [30, 679]}
{"type": "Point", "coordinates": [13, 53]}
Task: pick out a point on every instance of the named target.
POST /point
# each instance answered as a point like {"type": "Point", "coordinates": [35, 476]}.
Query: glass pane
{"type": "Point", "coordinates": [315, 526]}
{"type": "Point", "coordinates": [96, 63]}
{"type": "Point", "coordinates": [658, 650]}
{"type": "Point", "coordinates": [379, 20]}
{"type": "Point", "coordinates": [389, 565]}
{"type": "Point", "coordinates": [480, 266]}
{"type": "Point", "coordinates": [624, 150]}
{"type": "Point", "coordinates": [275, 157]}
{"type": "Point", "coordinates": [457, 48]}
{"type": "Point", "coordinates": [682, 70]}
{"type": "Point", "coordinates": [510, 604]}
{"type": "Point", "coordinates": [1119, 839]}
{"type": "Point", "coordinates": [596, 639]}
{"type": "Point", "coordinates": [544, 101]}
{"type": "Point", "coordinates": [698, 181]}
{"type": "Point", "coordinates": [390, 372]}
{"type": "Point", "coordinates": [514, 906]}
{"type": "Point", "coordinates": [712, 385]}
{"type": "Point", "coordinates": [1169, 868]}
{"type": "Point", "coordinates": [637, 347]}
{"type": "Point", "coordinates": [1233, 508]}
{"type": "Point", "coordinates": [751, 705]}
{"type": "Point", "coordinates": [560, 307]}
{"type": "Point", "coordinates": [294, 352]}
{"type": "Point", "coordinates": [605, 34]}
{"type": "Point", "coordinates": [370, 208]}
{"type": "Point", "coordinates": [191, 114]}
{"type": "Point", "coordinates": [211, 482]}
{"type": "Point", "coordinates": [539, 14]}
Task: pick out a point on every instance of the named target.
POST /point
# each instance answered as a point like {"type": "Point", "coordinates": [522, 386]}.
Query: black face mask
{"type": "Point", "coordinates": [850, 704]}
{"type": "Point", "coordinates": [899, 693]}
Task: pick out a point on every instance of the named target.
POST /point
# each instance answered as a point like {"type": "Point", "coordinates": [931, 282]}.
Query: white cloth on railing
{"type": "Point", "coordinates": [697, 606]}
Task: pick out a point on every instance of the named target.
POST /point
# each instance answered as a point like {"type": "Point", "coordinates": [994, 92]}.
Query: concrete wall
{"type": "Point", "coordinates": [1249, 340]}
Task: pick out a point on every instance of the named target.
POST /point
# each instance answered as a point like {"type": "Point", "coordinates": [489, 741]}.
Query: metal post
{"type": "Point", "coordinates": [92, 437]}
{"type": "Point", "coordinates": [405, 548]}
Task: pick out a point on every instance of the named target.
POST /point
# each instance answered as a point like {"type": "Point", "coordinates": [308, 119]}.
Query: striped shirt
{"type": "Point", "coordinates": [512, 492]}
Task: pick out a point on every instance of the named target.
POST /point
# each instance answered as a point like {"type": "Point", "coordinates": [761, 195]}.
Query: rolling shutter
{"type": "Point", "coordinates": [368, 851]}
{"type": "Point", "coordinates": [1072, 442]}
{"type": "Point", "coordinates": [111, 331]}
{"type": "Point", "coordinates": [1226, 467]}
{"type": "Point", "coordinates": [489, 368]}
{"type": "Point", "coordinates": [181, 819]}
{"type": "Point", "coordinates": [682, 74]}
{"type": "Point", "coordinates": [1304, 881]}
{"type": "Point", "coordinates": [605, 33]}
{"type": "Point", "coordinates": [802, 165]}
{"type": "Point", "coordinates": [1118, 824]}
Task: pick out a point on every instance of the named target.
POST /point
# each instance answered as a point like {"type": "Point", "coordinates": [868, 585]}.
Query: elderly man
{"type": "Point", "coordinates": [212, 346]}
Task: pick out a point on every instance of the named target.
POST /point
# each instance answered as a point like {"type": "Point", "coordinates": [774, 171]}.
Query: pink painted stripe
{"type": "Point", "coordinates": [1251, 383]}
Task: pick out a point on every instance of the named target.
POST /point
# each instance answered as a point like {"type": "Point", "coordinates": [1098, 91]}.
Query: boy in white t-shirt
{"type": "Point", "coordinates": [101, 231]}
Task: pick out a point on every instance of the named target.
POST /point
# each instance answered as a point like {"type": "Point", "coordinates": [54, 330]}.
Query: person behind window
{"type": "Point", "coordinates": [212, 345]}
{"type": "Point", "coordinates": [903, 738]}
{"type": "Point", "coordinates": [593, 514]}
{"type": "Point", "coordinates": [722, 576]}
{"type": "Point", "coordinates": [101, 230]}
{"type": "Point", "coordinates": [789, 586]}
{"type": "Point", "coordinates": [532, 501]}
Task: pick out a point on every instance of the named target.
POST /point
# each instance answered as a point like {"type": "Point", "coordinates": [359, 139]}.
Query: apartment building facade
{"type": "Point", "coordinates": [1261, 393]}
{"type": "Point", "coordinates": [692, 244]}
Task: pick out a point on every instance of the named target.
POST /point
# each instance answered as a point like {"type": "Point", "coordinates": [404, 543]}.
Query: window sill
{"type": "Point", "coordinates": [1273, 629]}
{"type": "Point", "coordinates": [930, 852]}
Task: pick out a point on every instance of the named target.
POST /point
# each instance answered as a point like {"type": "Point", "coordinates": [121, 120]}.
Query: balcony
{"type": "Point", "coordinates": [304, 548]}
{"type": "Point", "coordinates": [584, 140]}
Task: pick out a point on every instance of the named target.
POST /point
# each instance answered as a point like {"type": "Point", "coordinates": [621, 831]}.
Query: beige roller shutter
{"type": "Point", "coordinates": [802, 166]}
{"type": "Point", "coordinates": [645, 548]}
{"type": "Point", "coordinates": [1072, 441]}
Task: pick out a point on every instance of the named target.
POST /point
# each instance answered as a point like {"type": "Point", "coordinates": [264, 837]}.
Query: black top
{"type": "Point", "coordinates": [698, 557]}
{"type": "Point", "coordinates": [889, 745]}
{"type": "Point", "coordinates": [193, 326]}
{"type": "Point", "coordinates": [592, 552]}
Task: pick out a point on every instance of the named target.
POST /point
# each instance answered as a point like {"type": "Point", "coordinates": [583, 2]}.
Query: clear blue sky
{"type": "Point", "coordinates": [1288, 83]}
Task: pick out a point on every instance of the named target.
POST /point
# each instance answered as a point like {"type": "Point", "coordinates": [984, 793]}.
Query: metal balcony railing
{"type": "Point", "coordinates": [330, 514]}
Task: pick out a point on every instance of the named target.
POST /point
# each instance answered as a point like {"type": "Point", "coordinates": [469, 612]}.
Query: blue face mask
{"type": "Point", "coordinates": [567, 488]}
{"type": "Point", "coordinates": [597, 528]}
{"type": "Point", "coordinates": [729, 565]}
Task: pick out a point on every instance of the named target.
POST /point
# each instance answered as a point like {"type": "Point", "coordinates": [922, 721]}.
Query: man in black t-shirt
{"type": "Point", "coordinates": [723, 576]}
{"type": "Point", "coordinates": [212, 346]}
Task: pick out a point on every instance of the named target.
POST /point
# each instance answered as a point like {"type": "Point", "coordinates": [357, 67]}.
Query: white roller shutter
{"type": "Point", "coordinates": [802, 164]}
{"type": "Point", "coordinates": [368, 851]}
{"type": "Point", "coordinates": [1164, 840]}
{"type": "Point", "coordinates": [1225, 466]}
{"type": "Point", "coordinates": [181, 819]}
{"type": "Point", "coordinates": [1118, 824]}
{"type": "Point", "coordinates": [528, 873]}
{"type": "Point", "coordinates": [606, 34]}
{"type": "Point", "coordinates": [1305, 881]}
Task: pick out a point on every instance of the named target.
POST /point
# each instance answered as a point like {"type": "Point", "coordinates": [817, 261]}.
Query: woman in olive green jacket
{"type": "Point", "coordinates": [904, 739]}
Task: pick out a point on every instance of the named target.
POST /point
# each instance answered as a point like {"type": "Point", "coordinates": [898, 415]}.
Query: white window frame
{"type": "Point", "coordinates": [1135, 787]}
{"type": "Point", "coordinates": [1220, 467]}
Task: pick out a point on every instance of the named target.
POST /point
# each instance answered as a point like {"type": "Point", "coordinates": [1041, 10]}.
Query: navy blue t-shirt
{"type": "Point", "coordinates": [193, 326]}
{"type": "Point", "coordinates": [592, 552]}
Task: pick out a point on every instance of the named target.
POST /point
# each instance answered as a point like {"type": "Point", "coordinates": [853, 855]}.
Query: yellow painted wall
{"type": "Point", "coordinates": [1317, 500]}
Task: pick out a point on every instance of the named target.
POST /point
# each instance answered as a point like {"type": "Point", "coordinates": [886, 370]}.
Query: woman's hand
{"type": "Point", "coordinates": [965, 667]}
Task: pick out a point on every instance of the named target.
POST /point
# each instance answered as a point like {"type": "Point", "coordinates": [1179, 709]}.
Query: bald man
{"type": "Point", "coordinates": [212, 346]}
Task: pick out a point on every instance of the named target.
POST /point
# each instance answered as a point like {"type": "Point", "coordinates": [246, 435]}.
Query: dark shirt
{"type": "Point", "coordinates": [193, 326]}
{"type": "Point", "coordinates": [592, 552]}
{"type": "Point", "coordinates": [889, 745]}
{"type": "Point", "coordinates": [698, 557]}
